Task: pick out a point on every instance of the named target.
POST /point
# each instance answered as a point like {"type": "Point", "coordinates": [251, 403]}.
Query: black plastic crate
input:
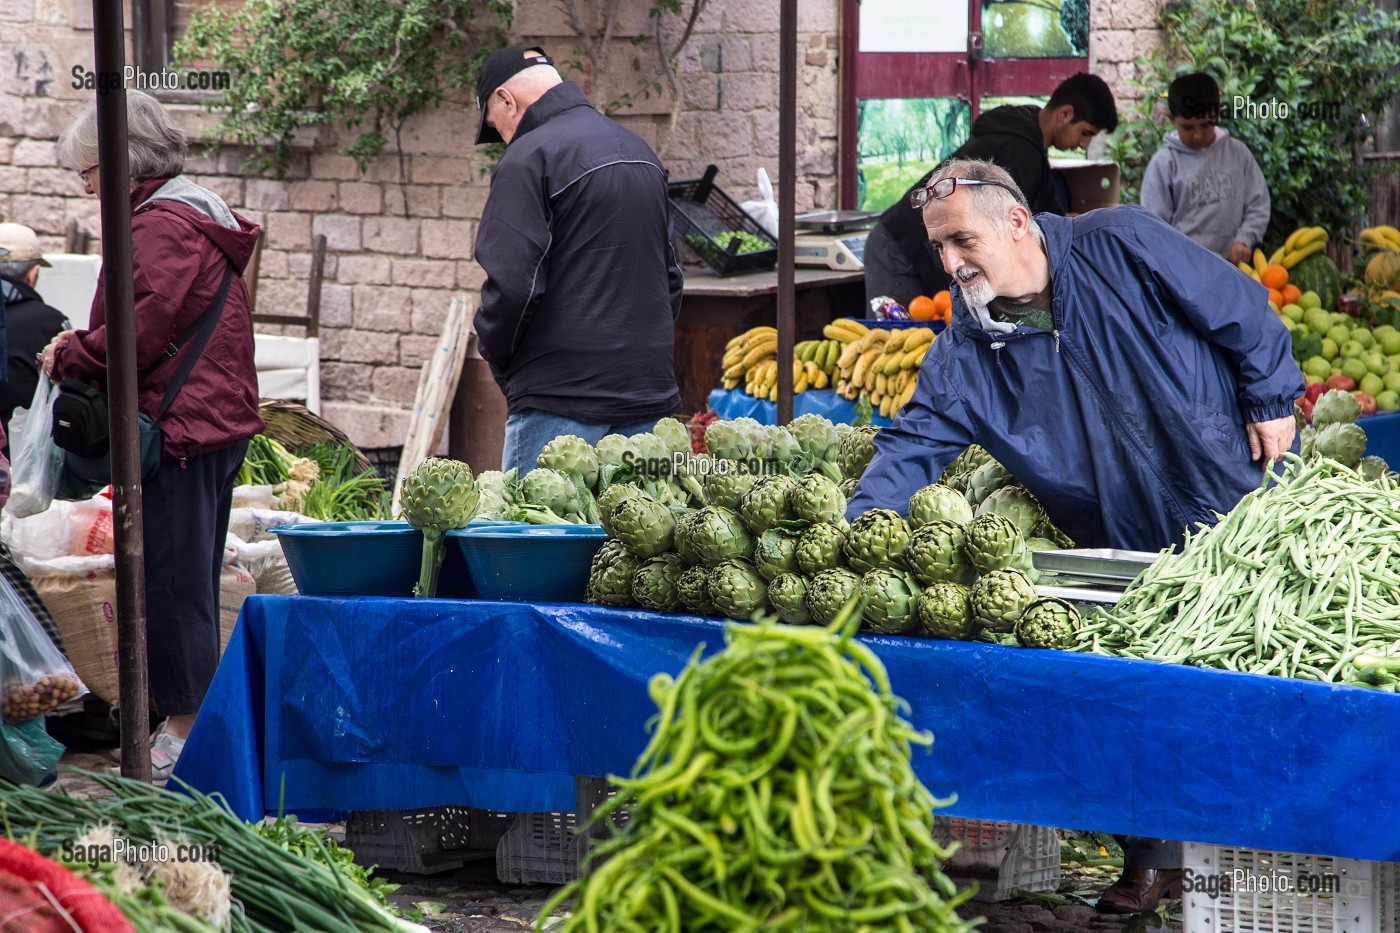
{"type": "Point", "coordinates": [701, 215]}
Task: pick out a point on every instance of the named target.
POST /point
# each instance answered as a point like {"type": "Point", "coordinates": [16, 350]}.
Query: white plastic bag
{"type": "Point", "coordinates": [765, 209]}
{"type": "Point", "coordinates": [36, 461]}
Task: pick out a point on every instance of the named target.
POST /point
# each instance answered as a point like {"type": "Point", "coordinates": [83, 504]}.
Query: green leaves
{"type": "Point", "coordinates": [360, 64]}
{"type": "Point", "coordinates": [1330, 62]}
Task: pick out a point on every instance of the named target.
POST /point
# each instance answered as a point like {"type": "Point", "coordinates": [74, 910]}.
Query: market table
{"type": "Point", "coordinates": [347, 704]}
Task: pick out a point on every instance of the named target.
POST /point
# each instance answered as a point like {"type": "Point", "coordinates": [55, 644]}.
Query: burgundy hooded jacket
{"type": "Point", "coordinates": [181, 237]}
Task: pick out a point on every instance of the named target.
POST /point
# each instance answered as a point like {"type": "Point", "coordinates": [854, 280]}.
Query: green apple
{"type": "Point", "coordinates": [1371, 383]}
{"type": "Point", "coordinates": [1329, 348]}
{"type": "Point", "coordinates": [1293, 313]}
{"type": "Point", "coordinates": [1310, 300]}
{"type": "Point", "coordinates": [1392, 379]}
{"type": "Point", "coordinates": [1389, 400]}
{"type": "Point", "coordinates": [1390, 342]}
{"type": "Point", "coordinates": [1363, 336]}
{"type": "Point", "coordinates": [1338, 334]}
{"type": "Point", "coordinates": [1376, 363]}
{"type": "Point", "coordinates": [1356, 370]}
{"type": "Point", "coordinates": [1317, 367]}
{"type": "Point", "coordinates": [1318, 320]}
{"type": "Point", "coordinates": [1351, 350]}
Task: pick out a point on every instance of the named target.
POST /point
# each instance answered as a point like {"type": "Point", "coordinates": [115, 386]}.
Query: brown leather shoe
{"type": "Point", "coordinates": [1139, 889]}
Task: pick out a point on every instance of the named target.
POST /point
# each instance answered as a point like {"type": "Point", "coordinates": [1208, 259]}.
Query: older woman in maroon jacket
{"type": "Point", "coordinates": [183, 238]}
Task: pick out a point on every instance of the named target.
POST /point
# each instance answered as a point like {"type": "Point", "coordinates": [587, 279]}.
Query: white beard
{"type": "Point", "coordinates": [977, 293]}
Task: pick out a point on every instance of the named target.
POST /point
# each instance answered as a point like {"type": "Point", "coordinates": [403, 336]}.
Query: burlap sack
{"type": "Point", "coordinates": [85, 609]}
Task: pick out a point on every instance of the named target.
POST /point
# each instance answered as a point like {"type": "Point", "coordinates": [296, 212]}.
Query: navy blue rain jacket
{"type": "Point", "coordinates": [1128, 420]}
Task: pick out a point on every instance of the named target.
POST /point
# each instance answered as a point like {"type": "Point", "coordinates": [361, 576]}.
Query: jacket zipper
{"type": "Point", "coordinates": [1123, 430]}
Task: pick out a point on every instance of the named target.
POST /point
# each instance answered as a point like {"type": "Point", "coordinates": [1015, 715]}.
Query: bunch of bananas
{"type": "Point", "coordinates": [746, 352]}
{"type": "Point", "coordinates": [1381, 238]}
{"type": "Point", "coordinates": [884, 364]}
{"type": "Point", "coordinates": [818, 359]}
{"type": "Point", "coordinates": [751, 361]}
{"type": "Point", "coordinates": [1301, 243]}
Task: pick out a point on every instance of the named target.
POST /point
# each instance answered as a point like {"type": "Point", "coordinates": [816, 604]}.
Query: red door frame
{"type": "Point", "coordinates": [931, 74]}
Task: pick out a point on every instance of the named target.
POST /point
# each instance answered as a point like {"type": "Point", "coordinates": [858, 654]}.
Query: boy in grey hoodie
{"type": "Point", "coordinates": [1203, 182]}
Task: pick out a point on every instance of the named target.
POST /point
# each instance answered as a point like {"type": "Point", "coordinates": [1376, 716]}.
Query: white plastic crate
{"type": "Point", "coordinates": [423, 842]}
{"type": "Point", "coordinates": [547, 848]}
{"type": "Point", "coordinates": [1002, 858]}
{"type": "Point", "coordinates": [1322, 894]}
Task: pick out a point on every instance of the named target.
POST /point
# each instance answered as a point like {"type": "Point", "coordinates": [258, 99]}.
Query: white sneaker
{"type": "Point", "coordinates": [165, 749]}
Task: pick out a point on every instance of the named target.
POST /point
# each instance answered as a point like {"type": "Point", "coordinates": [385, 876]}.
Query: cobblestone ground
{"type": "Point", "coordinates": [471, 900]}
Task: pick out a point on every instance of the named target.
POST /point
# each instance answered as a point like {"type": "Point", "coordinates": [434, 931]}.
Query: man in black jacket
{"type": "Point", "coordinates": [29, 323]}
{"type": "Point", "coordinates": [898, 261]}
{"type": "Point", "coordinates": [577, 316]}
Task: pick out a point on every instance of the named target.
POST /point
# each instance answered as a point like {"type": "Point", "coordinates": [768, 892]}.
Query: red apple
{"type": "Point", "coordinates": [1368, 402]}
{"type": "Point", "coordinates": [1315, 390]}
{"type": "Point", "coordinates": [1306, 407]}
{"type": "Point", "coordinates": [1345, 383]}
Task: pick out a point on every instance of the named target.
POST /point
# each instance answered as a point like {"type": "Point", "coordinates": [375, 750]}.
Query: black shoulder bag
{"type": "Point", "coordinates": [80, 424]}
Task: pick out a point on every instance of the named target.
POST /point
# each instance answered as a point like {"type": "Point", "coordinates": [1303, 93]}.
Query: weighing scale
{"type": "Point", "coordinates": [833, 239]}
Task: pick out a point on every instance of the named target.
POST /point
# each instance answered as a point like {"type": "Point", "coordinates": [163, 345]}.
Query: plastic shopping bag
{"type": "Point", "coordinates": [35, 677]}
{"type": "Point", "coordinates": [765, 209]}
{"type": "Point", "coordinates": [36, 461]}
{"type": "Point", "coordinates": [27, 753]}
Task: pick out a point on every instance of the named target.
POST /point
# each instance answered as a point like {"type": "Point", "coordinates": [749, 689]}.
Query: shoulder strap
{"type": "Point", "coordinates": [204, 325]}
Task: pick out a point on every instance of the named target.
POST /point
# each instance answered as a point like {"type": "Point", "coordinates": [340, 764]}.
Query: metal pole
{"type": "Point", "coordinates": [787, 200]}
{"type": "Point", "coordinates": [110, 60]}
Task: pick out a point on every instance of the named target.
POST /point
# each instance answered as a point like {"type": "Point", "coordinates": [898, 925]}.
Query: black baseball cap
{"type": "Point", "coordinates": [499, 68]}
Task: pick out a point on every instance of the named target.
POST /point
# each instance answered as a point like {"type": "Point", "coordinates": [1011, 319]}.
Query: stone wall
{"type": "Point", "coordinates": [399, 250]}
{"type": "Point", "coordinates": [1121, 34]}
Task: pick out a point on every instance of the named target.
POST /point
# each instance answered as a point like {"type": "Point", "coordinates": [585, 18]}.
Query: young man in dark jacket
{"type": "Point", "coordinates": [898, 261]}
{"type": "Point", "coordinates": [1127, 376]}
{"type": "Point", "coordinates": [577, 316]}
{"type": "Point", "coordinates": [29, 323]}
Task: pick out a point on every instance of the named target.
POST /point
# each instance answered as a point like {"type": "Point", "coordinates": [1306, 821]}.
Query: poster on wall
{"type": "Point", "coordinates": [898, 141]}
{"type": "Point", "coordinates": [913, 25]}
{"type": "Point", "coordinates": [1035, 28]}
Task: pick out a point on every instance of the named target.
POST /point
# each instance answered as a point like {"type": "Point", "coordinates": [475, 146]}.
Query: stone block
{"type": "Point", "coordinates": [423, 200]}
{"type": "Point", "coordinates": [430, 310]}
{"type": "Point", "coordinates": [358, 197]}
{"type": "Point", "coordinates": [38, 153]}
{"type": "Point", "coordinates": [442, 170]}
{"type": "Point", "coordinates": [441, 131]}
{"type": "Point", "coordinates": [818, 17]}
{"type": "Point", "coordinates": [1134, 14]}
{"type": "Point", "coordinates": [766, 52]}
{"type": "Point", "coordinates": [281, 296]}
{"type": "Point", "coordinates": [464, 201]}
{"type": "Point", "coordinates": [42, 212]}
{"type": "Point", "coordinates": [415, 350]}
{"type": "Point", "coordinates": [299, 266]}
{"type": "Point", "coordinates": [391, 235]}
{"type": "Point", "coordinates": [1114, 45]}
{"type": "Point", "coordinates": [17, 11]}
{"type": "Point", "coordinates": [342, 232]}
{"type": "Point", "coordinates": [368, 426]}
{"type": "Point", "coordinates": [818, 57]}
{"type": "Point", "coordinates": [350, 382]}
{"type": "Point", "coordinates": [17, 179]}
{"type": "Point", "coordinates": [230, 189]}
{"type": "Point", "coordinates": [363, 269]}
{"type": "Point", "coordinates": [424, 274]}
{"type": "Point", "coordinates": [357, 346]}
{"type": "Point", "coordinates": [470, 277]}
{"type": "Point", "coordinates": [337, 305]}
{"type": "Point", "coordinates": [261, 194]}
{"type": "Point", "coordinates": [448, 239]}
{"type": "Point", "coordinates": [318, 196]}
{"type": "Point", "coordinates": [1146, 41]}
{"type": "Point", "coordinates": [394, 384]}
{"type": "Point", "coordinates": [751, 18]}
{"type": "Point", "coordinates": [384, 308]}
{"type": "Point", "coordinates": [728, 132]}
{"type": "Point", "coordinates": [328, 166]}
{"type": "Point", "coordinates": [273, 265]}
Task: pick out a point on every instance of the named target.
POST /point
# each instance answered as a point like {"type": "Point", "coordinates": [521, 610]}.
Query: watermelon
{"type": "Point", "coordinates": [1318, 274]}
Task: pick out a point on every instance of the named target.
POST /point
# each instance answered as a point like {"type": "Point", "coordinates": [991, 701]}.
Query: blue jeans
{"type": "Point", "coordinates": [528, 431]}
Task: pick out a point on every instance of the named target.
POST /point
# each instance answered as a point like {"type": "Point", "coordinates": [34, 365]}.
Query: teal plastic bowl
{"type": "Point", "coordinates": [367, 559]}
{"type": "Point", "coordinates": [539, 563]}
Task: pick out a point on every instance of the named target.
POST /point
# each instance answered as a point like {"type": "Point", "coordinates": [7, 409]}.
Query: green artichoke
{"type": "Point", "coordinates": [1373, 468]}
{"type": "Point", "coordinates": [985, 480]}
{"type": "Point", "coordinates": [829, 591]}
{"type": "Point", "coordinates": [1335, 407]}
{"type": "Point", "coordinates": [1342, 442]}
{"type": "Point", "coordinates": [999, 598]}
{"type": "Point", "coordinates": [766, 503]}
{"type": "Point", "coordinates": [970, 459]}
{"type": "Point", "coordinates": [610, 450]}
{"type": "Point", "coordinates": [819, 548]}
{"type": "Point", "coordinates": [847, 487]}
{"type": "Point", "coordinates": [655, 584]}
{"type": "Point", "coordinates": [569, 452]}
{"type": "Point", "coordinates": [611, 498]}
{"type": "Point", "coordinates": [1016, 503]}
{"type": "Point", "coordinates": [775, 553]}
{"type": "Point", "coordinates": [674, 435]}
{"type": "Point", "coordinates": [438, 496]}
{"type": "Point", "coordinates": [717, 534]}
{"type": "Point", "coordinates": [788, 594]}
{"type": "Point", "coordinates": [566, 497]}
{"type": "Point", "coordinates": [684, 525]}
{"type": "Point", "coordinates": [727, 482]}
{"type": "Point", "coordinates": [937, 502]}
{"type": "Point", "coordinates": [875, 538]}
{"type": "Point", "coordinates": [1047, 623]}
{"type": "Point", "coordinates": [891, 595]}
{"type": "Point", "coordinates": [817, 437]}
{"type": "Point", "coordinates": [856, 450]}
{"type": "Point", "coordinates": [935, 554]}
{"type": "Point", "coordinates": [740, 439]}
{"type": "Point", "coordinates": [610, 576]}
{"type": "Point", "coordinates": [995, 543]}
{"type": "Point", "coordinates": [816, 498]}
{"type": "Point", "coordinates": [783, 447]}
{"type": "Point", "coordinates": [644, 526]}
{"type": "Point", "coordinates": [736, 589]}
{"type": "Point", "coordinates": [945, 611]}
{"type": "Point", "coordinates": [693, 590]}
{"type": "Point", "coordinates": [494, 481]}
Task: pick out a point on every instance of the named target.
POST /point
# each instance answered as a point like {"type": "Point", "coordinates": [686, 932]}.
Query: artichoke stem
{"type": "Point", "coordinates": [433, 553]}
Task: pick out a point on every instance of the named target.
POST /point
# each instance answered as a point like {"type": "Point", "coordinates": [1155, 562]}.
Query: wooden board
{"type": "Point", "coordinates": [436, 386]}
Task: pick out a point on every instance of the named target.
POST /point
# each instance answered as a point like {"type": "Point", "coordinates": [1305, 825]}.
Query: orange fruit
{"type": "Point", "coordinates": [923, 308]}
{"type": "Point", "coordinates": [1276, 298]}
{"type": "Point", "coordinates": [943, 300]}
{"type": "Point", "coordinates": [1291, 294]}
{"type": "Point", "coordinates": [1275, 277]}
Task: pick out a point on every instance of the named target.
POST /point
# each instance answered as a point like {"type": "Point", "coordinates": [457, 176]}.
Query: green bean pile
{"type": "Point", "coordinates": [776, 794]}
{"type": "Point", "coordinates": [1299, 580]}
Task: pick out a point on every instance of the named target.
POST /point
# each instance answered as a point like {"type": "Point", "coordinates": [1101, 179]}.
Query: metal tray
{"type": "Point", "coordinates": [836, 221]}
{"type": "Point", "coordinates": [1081, 595]}
{"type": "Point", "coordinates": [1095, 563]}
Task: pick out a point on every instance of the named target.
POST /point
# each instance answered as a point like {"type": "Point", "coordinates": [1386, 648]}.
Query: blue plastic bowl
{"type": "Point", "coordinates": [367, 559]}
{"type": "Point", "coordinates": [542, 563]}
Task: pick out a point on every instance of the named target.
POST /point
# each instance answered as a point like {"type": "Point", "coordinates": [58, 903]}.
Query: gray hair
{"type": "Point", "coordinates": [535, 78]}
{"type": "Point", "coordinates": [19, 269]}
{"type": "Point", "coordinates": [991, 201]}
{"type": "Point", "coordinates": [155, 145]}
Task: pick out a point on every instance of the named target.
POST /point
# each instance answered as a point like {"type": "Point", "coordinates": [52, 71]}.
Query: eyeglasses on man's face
{"type": "Point", "coordinates": [946, 186]}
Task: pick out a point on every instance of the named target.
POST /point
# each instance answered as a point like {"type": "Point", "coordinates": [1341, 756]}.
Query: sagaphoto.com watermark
{"type": "Point", "coordinates": [135, 79]}
{"type": "Point", "coordinates": [1252, 881]}
{"type": "Point", "coordinates": [1243, 107]}
{"type": "Point", "coordinates": [100, 848]}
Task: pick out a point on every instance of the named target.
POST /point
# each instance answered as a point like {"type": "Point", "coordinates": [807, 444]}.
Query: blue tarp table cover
{"type": "Point", "coordinates": [1383, 437]}
{"type": "Point", "coordinates": [346, 704]}
{"type": "Point", "coordinates": [736, 403]}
